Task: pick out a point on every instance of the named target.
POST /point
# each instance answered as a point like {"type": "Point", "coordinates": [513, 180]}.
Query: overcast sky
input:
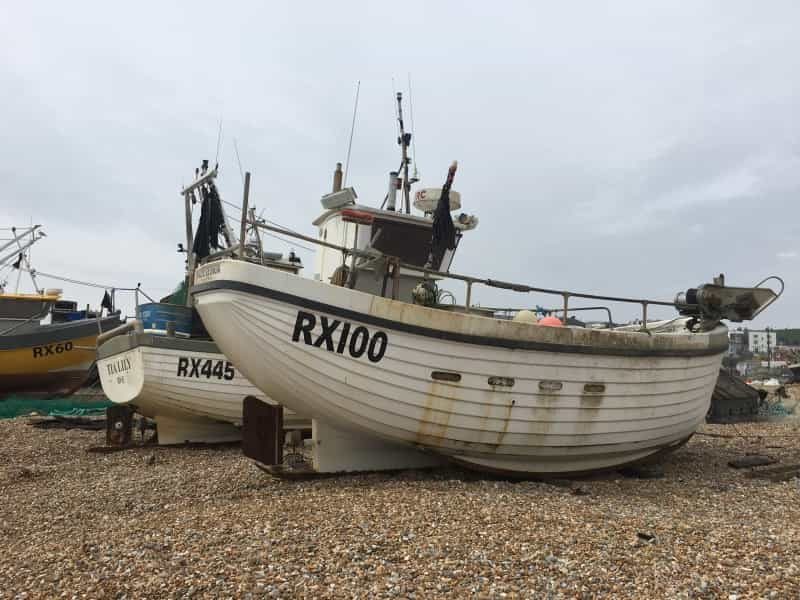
{"type": "Point", "coordinates": [620, 148]}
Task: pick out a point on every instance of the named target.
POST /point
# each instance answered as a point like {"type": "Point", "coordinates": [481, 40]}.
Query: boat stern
{"type": "Point", "coordinates": [121, 371]}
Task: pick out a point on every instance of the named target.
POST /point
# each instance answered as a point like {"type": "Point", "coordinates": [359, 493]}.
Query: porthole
{"type": "Point", "coordinates": [594, 388]}
{"type": "Point", "coordinates": [501, 381]}
{"type": "Point", "coordinates": [446, 376]}
{"type": "Point", "coordinates": [548, 385]}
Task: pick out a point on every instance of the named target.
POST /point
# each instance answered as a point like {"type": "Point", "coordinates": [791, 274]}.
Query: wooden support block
{"type": "Point", "coordinates": [262, 431]}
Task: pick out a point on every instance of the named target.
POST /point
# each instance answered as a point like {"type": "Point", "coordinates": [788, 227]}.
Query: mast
{"type": "Point", "coordinates": [25, 257]}
{"type": "Point", "coordinates": [245, 201]}
{"type": "Point", "coordinates": [404, 140]}
{"type": "Point", "coordinates": [188, 192]}
{"type": "Point", "coordinates": [17, 236]}
{"type": "Point", "coordinates": [21, 248]}
{"type": "Point", "coordinates": [187, 197]}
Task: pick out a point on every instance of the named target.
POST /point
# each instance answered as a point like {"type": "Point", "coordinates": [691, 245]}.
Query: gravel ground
{"type": "Point", "coordinates": [188, 522]}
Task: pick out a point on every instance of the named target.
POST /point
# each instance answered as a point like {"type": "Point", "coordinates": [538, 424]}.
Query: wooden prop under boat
{"type": "Point", "coordinates": [51, 358]}
{"type": "Point", "coordinates": [494, 394]}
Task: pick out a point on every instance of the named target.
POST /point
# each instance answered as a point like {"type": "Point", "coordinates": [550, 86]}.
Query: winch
{"type": "Point", "coordinates": [713, 302]}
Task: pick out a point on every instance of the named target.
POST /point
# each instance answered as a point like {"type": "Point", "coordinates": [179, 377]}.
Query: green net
{"type": "Point", "coordinates": [16, 406]}
{"type": "Point", "coordinates": [176, 297]}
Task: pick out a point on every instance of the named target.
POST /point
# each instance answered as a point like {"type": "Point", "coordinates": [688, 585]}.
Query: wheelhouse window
{"type": "Point", "coordinates": [410, 242]}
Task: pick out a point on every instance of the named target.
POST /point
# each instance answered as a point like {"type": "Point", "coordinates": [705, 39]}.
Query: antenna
{"type": "Point", "coordinates": [352, 130]}
{"type": "Point", "coordinates": [238, 160]}
{"type": "Point", "coordinates": [415, 175]}
{"type": "Point", "coordinates": [394, 108]}
{"type": "Point", "coordinates": [219, 139]}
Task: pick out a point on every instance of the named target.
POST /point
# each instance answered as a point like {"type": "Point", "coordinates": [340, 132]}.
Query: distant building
{"type": "Point", "coordinates": [737, 342]}
{"type": "Point", "coordinates": [761, 342]}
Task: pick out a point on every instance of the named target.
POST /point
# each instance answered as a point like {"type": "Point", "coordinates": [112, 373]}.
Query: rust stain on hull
{"type": "Point", "coordinates": [502, 403]}
{"type": "Point", "coordinates": [436, 414]}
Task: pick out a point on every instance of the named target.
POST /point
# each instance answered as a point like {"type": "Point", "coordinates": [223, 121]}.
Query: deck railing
{"type": "Point", "coordinates": [566, 295]}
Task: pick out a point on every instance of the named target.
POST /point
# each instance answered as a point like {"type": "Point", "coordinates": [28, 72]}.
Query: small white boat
{"type": "Point", "coordinates": [187, 386]}
{"type": "Point", "coordinates": [165, 366]}
{"type": "Point", "coordinates": [370, 347]}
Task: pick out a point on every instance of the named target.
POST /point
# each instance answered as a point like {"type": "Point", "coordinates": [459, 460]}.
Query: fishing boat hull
{"type": "Point", "coordinates": [495, 395]}
{"type": "Point", "coordinates": [187, 386]}
{"type": "Point", "coordinates": [49, 359]}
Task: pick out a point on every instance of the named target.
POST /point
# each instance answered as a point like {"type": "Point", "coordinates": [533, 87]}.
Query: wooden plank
{"type": "Point", "coordinates": [262, 431]}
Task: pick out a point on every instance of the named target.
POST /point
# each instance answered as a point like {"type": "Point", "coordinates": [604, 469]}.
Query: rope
{"type": "Point", "coordinates": [288, 242]}
{"type": "Point", "coordinates": [84, 283]}
{"type": "Point", "coordinates": [413, 131]}
{"type": "Point", "coordinates": [352, 130]}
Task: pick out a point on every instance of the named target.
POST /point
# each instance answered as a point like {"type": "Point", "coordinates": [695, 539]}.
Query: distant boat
{"type": "Point", "coordinates": [36, 356]}
{"type": "Point", "coordinates": [374, 348]}
{"type": "Point", "coordinates": [165, 365]}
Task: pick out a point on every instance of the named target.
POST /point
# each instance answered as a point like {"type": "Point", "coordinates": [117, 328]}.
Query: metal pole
{"type": "Point", "coordinates": [337, 178]}
{"type": "Point", "coordinates": [351, 279]}
{"type": "Point", "coordinates": [187, 196]}
{"type": "Point", "coordinates": [252, 211]}
{"type": "Point", "coordinates": [19, 236]}
{"type": "Point", "coordinates": [404, 150]}
{"type": "Point", "coordinates": [769, 351]}
{"type": "Point", "coordinates": [395, 278]}
{"type": "Point", "coordinates": [245, 201]}
{"type": "Point", "coordinates": [469, 295]}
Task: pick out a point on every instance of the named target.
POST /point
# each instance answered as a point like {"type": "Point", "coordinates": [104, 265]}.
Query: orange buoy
{"type": "Point", "coordinates": [551, 321]}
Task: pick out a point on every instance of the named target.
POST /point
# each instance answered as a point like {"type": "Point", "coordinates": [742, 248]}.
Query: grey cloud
{"type": "Point", "coordinates": [619, 148]}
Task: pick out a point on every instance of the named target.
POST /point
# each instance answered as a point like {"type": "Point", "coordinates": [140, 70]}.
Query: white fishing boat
{"type": "Point", "coordinates": [164, 365]}
{"type": "Point", "coordinates": [370, 348]}
{"type": "Point", "coordinates": [187, 386]}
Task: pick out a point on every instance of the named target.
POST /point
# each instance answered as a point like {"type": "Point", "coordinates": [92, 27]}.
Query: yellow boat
{"type": "Point", "coordinates": [52, 358]}
{"type": "Point", "coordinates": [49, 358]}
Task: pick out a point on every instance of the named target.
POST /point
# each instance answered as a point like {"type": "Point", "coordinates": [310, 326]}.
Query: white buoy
{"type": "Point", "coordinates": [525, 316]}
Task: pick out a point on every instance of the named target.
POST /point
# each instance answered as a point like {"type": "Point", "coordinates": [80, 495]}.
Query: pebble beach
{"type": "Point", "coordinates": [156, 522]}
